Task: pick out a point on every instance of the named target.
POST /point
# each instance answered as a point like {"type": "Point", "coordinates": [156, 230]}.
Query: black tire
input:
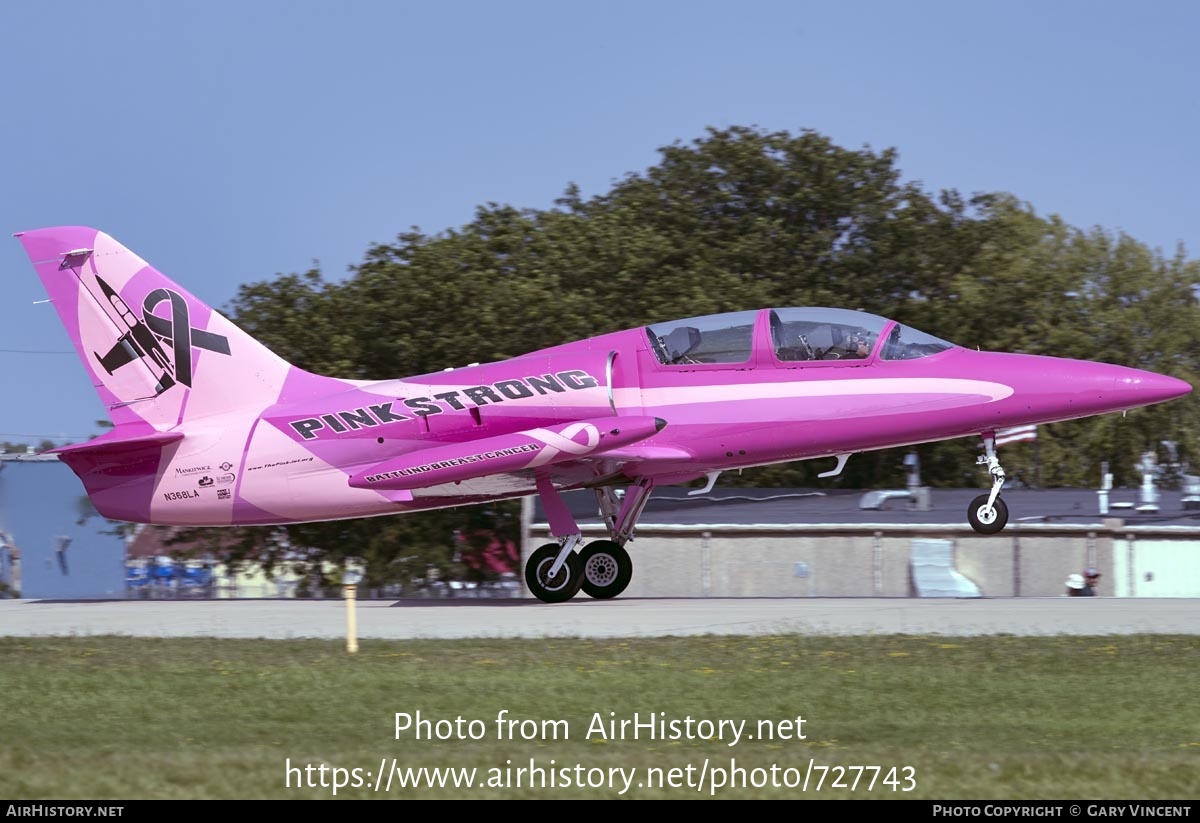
{"type": "Point", "coordinates": [991, 522]}
{"type": "Point", "coordinates": [563, 586]}
{"type": "Point", "coordinates": [607, 569]}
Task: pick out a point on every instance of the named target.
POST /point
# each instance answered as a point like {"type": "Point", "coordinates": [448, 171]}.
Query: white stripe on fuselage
{"type": "Point", "coordinates": [725, 392]}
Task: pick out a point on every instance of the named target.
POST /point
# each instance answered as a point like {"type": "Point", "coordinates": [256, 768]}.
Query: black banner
{"type": "Point", "coordinates": [939, 809]}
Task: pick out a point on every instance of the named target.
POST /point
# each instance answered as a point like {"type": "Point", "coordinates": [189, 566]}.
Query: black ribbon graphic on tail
{"type": "Point", "coordinates": [179, 333]}
{"type": "Point", "coordinates": [142, 338]}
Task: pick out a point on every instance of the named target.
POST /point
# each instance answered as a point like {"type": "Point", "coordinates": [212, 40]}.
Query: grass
{"type": "Point", "coordinates": [1061, 718]}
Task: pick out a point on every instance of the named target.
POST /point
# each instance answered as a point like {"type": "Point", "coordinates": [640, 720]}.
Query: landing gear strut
{"type": "Point", "coordinates": [555, 572]}
{"type": "Point", "coordinates": [987, 513]}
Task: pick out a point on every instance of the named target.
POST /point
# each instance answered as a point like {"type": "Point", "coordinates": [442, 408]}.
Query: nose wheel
{"type": "Point", "coordinates": [987, 513]}
{"type": "Point", "coordinates": [986, 517]}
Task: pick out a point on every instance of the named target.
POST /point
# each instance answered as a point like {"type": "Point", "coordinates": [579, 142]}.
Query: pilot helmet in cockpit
{"type": "Point", "coordinates": [860, 342]}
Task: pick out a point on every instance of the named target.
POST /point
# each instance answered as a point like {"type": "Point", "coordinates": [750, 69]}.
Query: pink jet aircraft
{"type": "Point", "coordinates": [213, 429]}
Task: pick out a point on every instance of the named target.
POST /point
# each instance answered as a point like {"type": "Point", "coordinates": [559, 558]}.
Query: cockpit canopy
{"type": "Point", "coordinates": [824, 334]}
{"type": "Point", "coordinates": [796, 334]}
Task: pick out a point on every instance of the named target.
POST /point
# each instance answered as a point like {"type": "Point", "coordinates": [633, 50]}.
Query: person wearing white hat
{"type": "Point", "coordinates": [1075, 585]}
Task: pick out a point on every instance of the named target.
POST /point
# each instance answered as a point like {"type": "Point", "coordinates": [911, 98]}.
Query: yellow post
{"type": "Point", "coordinates": [350, 590]}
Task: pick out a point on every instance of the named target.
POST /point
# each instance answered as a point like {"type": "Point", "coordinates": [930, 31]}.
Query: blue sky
{"type": "Point", "coordinates": [230, 142]}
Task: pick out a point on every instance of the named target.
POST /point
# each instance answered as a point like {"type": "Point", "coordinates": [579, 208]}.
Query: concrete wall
{"type": "Point", "coordinates": [874, 561]}
{"type": "Point", "coordinates": [707, 565]}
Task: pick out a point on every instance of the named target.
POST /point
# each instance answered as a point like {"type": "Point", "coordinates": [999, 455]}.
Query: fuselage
{"type": "Point", "coordinates": [758, 403]}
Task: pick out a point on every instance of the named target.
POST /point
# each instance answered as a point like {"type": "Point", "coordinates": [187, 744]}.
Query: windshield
{"type": "Point", "coordinates": [905, 343]}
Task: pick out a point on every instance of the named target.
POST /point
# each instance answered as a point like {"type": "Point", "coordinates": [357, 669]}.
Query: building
{"type": "Point", "coordinates": [53, 543]}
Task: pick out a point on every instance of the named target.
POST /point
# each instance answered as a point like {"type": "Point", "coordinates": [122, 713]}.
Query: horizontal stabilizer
{"type": "Point", "coordinates": [115, 443]}
{"type": "Point", "coordinates": [507, 452]}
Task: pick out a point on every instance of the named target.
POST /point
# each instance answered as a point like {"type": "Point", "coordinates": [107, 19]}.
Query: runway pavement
{"type": "Point", "coordinates": [445, 619]}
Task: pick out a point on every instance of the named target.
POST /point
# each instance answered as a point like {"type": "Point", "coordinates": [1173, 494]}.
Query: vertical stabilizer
{"type": "Point", "coordinates": [155, 353]}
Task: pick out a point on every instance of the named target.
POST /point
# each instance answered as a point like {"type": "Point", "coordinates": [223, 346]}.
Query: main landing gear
{"type": "Point", "coordinates": [556, 572]}
{"type": "Point", "coordinates": [987, 513]}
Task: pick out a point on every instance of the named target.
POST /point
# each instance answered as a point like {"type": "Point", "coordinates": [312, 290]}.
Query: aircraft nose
{"type": "Point", "coordinates": [1147, 387]}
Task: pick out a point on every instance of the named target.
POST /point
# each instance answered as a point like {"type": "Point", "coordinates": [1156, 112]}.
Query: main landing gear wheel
{"type": "Point", "coordinates": [607, 569]}
{"type": "Point", "coordinates": [560, 588]}
{"type": "Point", "coordinates": [985, 519]}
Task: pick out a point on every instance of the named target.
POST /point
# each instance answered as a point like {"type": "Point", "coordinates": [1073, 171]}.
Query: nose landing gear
{"type": "Point", "coordinates": [987, 513]}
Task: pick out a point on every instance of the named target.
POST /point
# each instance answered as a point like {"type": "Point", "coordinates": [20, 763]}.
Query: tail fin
{"type": "Point", "coordinates": [155, 353]}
